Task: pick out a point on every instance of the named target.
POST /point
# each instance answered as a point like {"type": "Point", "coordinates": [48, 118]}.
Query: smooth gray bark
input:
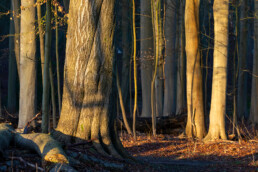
{"type": "Point", "coordinates": [27, 63]}
{"type": "Point", "coordinates": [170, 58]}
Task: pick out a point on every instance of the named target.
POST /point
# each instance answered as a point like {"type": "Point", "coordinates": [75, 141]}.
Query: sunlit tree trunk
{"type": "Point", "coordinates": [254, 99]}
{"type": "Point", "coordinates": [242, 109]}
{"type": "Point", "coordinates": [27, 63]}
{"type": "Point", "coordinates": [146, 56]}
{"type": "Point", "coordinates": [87, 106]}
{"type": "Point", "coordinates": [219, 80]}
{"type": "Point", "coordinates": [195, 111]}
{"type": "Point", "coordinates": [170, 58]}
{"type": "Point", "coordinates": [181, 72]}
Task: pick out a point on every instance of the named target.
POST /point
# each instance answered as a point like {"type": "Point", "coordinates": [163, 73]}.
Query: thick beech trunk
{"type": "Point", "coordinates": [195, 111]}
{"type": "Point", "coordinates": [146, 56]}
{"type": "Point", "coordinates": [219, 80]}
{"type": "Point", "coordinates": [88, 92]}
{"type": "Point", "coordinates": [27, 63]}
{"type": "Point", "coordinates": [170, 58]}
{"type": "Point", "coordinates": [254, 99]}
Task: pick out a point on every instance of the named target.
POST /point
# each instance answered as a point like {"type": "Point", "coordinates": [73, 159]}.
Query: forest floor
{"type": "Point", "coordinates": [167, 152]}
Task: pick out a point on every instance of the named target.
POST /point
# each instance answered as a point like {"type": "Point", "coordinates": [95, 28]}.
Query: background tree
{"type": "Point", "coordinates": [14, 56]}
{"type": "Point", "coordinates": [242, 108]}
{"type": "Point", "coordinates": [27, 63]}
{"type": "Point", "coordinates": [146, 56]}
{"type": "Point", "coordinates": [195, 111]}
{"type": "Point", "coordinates": [46, 78]}
{"type": "Point", "coordinates": [170, 66]}
{"type": "Point", "coordinates": [219, 80]}
{"type": "Point", "coordinates": [157, 22]}
{"type": "Point", "coordinates": [181, 70]}
{"type": "Point", "coordinates": [254, 96]}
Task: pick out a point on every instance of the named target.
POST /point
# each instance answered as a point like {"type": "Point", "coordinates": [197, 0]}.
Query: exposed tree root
{"type": "Point", "coordinates": [6, 135]}
{"type": "Point", "coordinates": [48, 148]}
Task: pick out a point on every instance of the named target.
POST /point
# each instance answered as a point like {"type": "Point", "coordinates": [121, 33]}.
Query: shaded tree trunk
{"type": "Point", "coordinates": [219, 80]}
{"type": "Point", "coordinates": [181, 72]}
{"type": "Point", "coordinates": [45, 96]}
{"type": "Point", "coordinates": [66, 5]}
{"type": "Point", "coordinates": [157, 10]}
{"type": "Point", "coordinates": [254, 96]}
{"type": "Point", "coordinates": [88, 99]}
{"type": "Point", "coordinates": [242, 109]}
{"type": "Point", "coordinates": [126, 45]}
{"type": "Point", "coordinates": [14, 56]}
{"type": "Point", "coordinates": [146, 56]}
{"type": "Point", "coordinates": [170, 58]}
{"type": "Point", "coordinates": [27, 63]}
{"type": "Point", "coordinates": [195, 110]}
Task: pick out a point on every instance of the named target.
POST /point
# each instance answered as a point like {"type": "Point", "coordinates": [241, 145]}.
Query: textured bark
{"type": "Point", "coordinates": [12, 69]}
{"type": "Point", "coordinates": [170, 58]}
{"type": "Point", "coordinates": [254, 99]}
{"type": "Point", "coordinates": [181, 72]}
{"type": "Point", "coordinates": [27, 63]}
{"type": "Point", "coordinates": [87, 97]}
{"type": "Point", "coordinates": [195, 111]}
{"type": "Point", "coordinates": [219, 80]}
{"type": "Point", "coordinates": [6, 135]}
{"type": "Point", "coordinates": [146, 56]}
{"type": "Point", "coordinates": [242, 109]}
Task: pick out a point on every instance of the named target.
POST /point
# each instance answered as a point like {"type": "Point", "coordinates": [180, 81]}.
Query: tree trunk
{"type": "Point", "coordinates": [66, 5]}
{"type": "Point", "coordinates": [87, 107]}
{"type": "Point", "coordinates": [12, 69]}
{"type": "Point", "coordinates": [195, 110]}
{"type": "Point", "coordinates": [242, 109]}
{"type": "Point", "coordinates": [126, 45]}
{"type": "Point", "coordinates": [170, 58]}
{"type": "Point", "coordinates": [146, 56]}
{"type": "Point", "coordinates": [41, 37]}
{"type": "Point", "coordinates": [254, 108]}
{"type": "Point", "coordinates": [181, 72]}
{"type": "Point", "coordinates": [16, 8]}
{"type": "Point", "coordinates": [219, 80]}
{"type": "Point", "coordinates": [27, 63]}
{"type": "Point", "coordinates": [45, 96]}
{"type": "Point", "coordinates": [157, 9]}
